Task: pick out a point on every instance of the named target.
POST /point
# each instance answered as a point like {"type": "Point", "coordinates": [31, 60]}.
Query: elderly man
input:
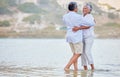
{"type": "Point", "coordinates": [72, 19]}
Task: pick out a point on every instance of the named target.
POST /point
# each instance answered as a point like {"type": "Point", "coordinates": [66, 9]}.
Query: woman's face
{"type": "Point", "coordinates": [86, 10]}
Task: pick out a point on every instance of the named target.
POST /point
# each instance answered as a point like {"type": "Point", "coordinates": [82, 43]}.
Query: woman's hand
{"type": "Point", "coordinates": [75, 29]}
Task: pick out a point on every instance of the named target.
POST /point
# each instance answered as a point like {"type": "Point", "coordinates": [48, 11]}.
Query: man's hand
{"type": "Point", "coordinates": [76, 28]}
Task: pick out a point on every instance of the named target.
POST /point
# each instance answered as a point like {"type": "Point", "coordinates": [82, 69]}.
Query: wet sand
{"type": "Point", "coordinates": [12, 71]}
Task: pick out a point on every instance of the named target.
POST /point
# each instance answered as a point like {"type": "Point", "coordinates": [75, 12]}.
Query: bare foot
{"type": "Point", "coordinates": [92, 69]}
{"type": "Point", "coordinates": [66, 69]}
{"type": "Point", "coordinates": [76, 70]}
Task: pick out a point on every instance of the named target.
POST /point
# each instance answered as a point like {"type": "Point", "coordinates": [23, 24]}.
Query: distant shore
{"type": "Point", "coordinates": [51, 32]}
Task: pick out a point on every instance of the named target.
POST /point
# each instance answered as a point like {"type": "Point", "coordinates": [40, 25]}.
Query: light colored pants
{"type": "Point", "coordinates": [86, 56]}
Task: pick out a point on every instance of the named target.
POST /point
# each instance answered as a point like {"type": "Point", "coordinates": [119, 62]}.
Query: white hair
{"type": "Point", "coordinates": [89, 6]}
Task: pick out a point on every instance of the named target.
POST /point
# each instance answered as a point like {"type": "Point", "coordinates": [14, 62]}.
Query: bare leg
{"type": "Point", "coordinates": [85, 68]}
{"type": "Point", "coordinates": [76, 66]}
{"type": "Point", "coordinates": [92, 66]}
{"type": "Point", "coordinates": [69, 64]}
{"type": "Point", "coordinates": [72, 61]}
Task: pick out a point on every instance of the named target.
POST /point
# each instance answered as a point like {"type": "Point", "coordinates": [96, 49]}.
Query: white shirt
{"type": "Point", "coordinates": [88, 20]}
{"type": "Point", "coordinates": [72, 19]}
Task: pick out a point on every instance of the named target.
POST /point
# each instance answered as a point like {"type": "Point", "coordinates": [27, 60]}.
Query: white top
{"type": "Point", "coordinates": [72, 19]}
{"type": "Point", "coordinates": [88, 20]}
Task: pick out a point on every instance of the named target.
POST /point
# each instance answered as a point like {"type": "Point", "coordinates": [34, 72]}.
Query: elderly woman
{"type": "Point", "coordinates": [88, 36]}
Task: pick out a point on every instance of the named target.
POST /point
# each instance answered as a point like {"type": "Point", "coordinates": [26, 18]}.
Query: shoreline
{"type": "Point", "coordinates": [101, 32]}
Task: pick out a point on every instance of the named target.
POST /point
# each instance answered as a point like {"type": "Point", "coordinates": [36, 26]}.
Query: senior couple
{"type": "Point", "coordinates": [80, 35]}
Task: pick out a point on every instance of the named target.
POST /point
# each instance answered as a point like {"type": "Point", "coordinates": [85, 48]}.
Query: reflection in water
{"type": "Point", "coordinates": [79, 73]}
{"type": "Point", "coordinates": [87, 74]}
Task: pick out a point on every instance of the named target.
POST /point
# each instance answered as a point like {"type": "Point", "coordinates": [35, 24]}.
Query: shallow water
{"type": "Point", "coordinates": [47, 58]}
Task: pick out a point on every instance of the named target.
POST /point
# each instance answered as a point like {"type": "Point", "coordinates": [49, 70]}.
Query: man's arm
{"type": "Point", "coordinates": [76, 28]}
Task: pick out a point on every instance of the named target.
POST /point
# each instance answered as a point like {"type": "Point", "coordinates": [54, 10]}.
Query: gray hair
{"type": "Point", "coordinates": [89, 6]}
